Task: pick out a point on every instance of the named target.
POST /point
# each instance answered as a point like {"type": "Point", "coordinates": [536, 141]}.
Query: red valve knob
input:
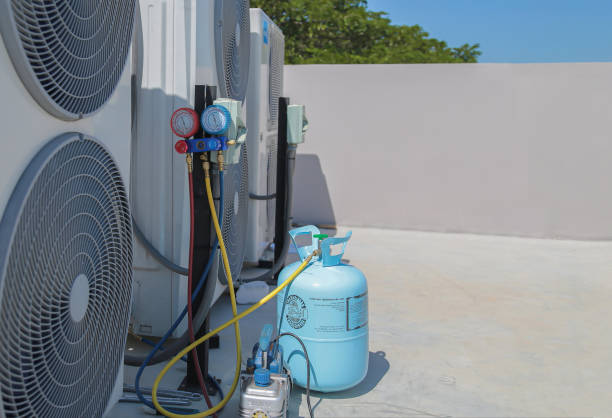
{"type": "Point", "coordinates": [181, 147]}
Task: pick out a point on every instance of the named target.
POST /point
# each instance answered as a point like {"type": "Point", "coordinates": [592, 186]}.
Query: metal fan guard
{"type": "Point", "coordinates": [232, 46]}
{"type": "Point", "coordinates": [69, 54]}
{"type": "Point", "coordinates": [67, 224]}
{"type": "Point", "coordinates": [275, 72]}
{"type": "Point", "coordinates": [235, 215]}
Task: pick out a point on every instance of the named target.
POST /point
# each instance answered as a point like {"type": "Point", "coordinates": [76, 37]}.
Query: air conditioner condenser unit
{"type": "Point", "coordinates": [264, 90]}
{"type": "Point", "coordinates": [65, 229]}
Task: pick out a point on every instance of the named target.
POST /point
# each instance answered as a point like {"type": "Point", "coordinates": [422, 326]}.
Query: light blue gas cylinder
{"type": "Point", "coordinates": [327, 307]}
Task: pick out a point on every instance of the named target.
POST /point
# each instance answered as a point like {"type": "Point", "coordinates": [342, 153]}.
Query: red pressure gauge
{"type": "Point", "coordinates": [184, 122]}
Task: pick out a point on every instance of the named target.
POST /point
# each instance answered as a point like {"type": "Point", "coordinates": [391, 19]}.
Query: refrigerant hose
{"type": "Point", "coordinates": [163, 260]}
{"type": "Point", "coordinates": [234, 320]}
{"type": "Point", "coordinates": [194, 352]}
{"type": "Point", "coordinates": [156, 350]}
{"type": "Point", "coordinates": [175, 346]}
{"type": "Point", "coordinates": [299, 340]}
{"type": "Point", "coordinates": [220, 328]}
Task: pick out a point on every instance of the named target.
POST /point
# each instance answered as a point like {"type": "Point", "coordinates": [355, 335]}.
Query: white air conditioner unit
{"type": "Point", "coordinates": [65, 230]}
{"type": "Point", "coordinates": [227, 67]}
{"type": "Point", "coordinates": [165, 57]}
{"type": "Point", "coordinates": [264, 90]}
{"type": "Point", "coordinates": [185, 43]}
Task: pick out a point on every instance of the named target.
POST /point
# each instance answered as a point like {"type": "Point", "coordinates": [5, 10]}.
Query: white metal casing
{"type": "Point", "coordinates": [160, 203]}
{"type": "Point", "coordinates": [178, 52]}
{"type": "Point", "coordinates": [26, 127]}
{"type": "Point", "coordinates": [264, 88]}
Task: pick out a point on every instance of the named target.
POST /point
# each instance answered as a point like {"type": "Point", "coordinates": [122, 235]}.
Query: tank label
{"type": "Point", "coordinates": [357, 311]}
{"type": "Point", "coordinates": [330, 314]}
{"type": "Point", "coordinates": [339, 315]}
{"type": "Point", "coordinates": [297, 313]}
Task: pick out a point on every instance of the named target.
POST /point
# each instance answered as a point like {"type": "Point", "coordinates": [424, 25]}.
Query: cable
{"type": "Point", "coordinates": [169, 333]}
{"type": "Point", "coordinates": [153, 344]}
{"type": "Point", "coordinates": [132, 359]}
{"type": "Point", "coordinates": [217, 386]}
{"type": "Point", "coordinates": [202, 281]}
{"type": "Point", "coordinates": [262, 197]}
{"type": "Point", "coordinates": [212, 379]}
{"type": "Point", "coordinates": [234, 320]}
{"type": "Point", "coordinates": [155, 252]}
{"type": "Point", "coordinates": [290, 334]}
{"type": "Point", "coordinates": [194, 352]}
{"type": "Point", "coordinates": [220, 328]}
{"type": "Point", "coordinates": [279, 263]}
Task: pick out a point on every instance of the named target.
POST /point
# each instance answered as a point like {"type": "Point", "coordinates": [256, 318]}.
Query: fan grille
{"type": "Point", "coordinates": [271, 172]}
{"type": "Point", "coordinates": [235, 214]}
{"type": "Point", "coordinates": [67, 225]}
{"type": "Point", "coordinates": [277, 60]}
{"type": "Point", "coordinates": [70, 54]}
{"type": "Point", "coordinates": [232, 39]}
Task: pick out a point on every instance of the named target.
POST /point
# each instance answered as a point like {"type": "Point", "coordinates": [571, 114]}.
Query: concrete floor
{"type": "Point", "coordinates": [464, 326]}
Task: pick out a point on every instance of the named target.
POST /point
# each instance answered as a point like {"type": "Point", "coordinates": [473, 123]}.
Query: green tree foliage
{"type": "Point", "coordinates": [346, 32]}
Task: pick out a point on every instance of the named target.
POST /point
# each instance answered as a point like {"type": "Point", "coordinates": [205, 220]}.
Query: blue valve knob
{"type": "Point", "coordinates": [265, 336]}
{"type": "Point", "coordinates": [262, 377]}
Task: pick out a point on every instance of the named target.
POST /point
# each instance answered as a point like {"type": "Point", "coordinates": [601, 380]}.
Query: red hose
{"type": "Point", "coordinates": [194, 352]}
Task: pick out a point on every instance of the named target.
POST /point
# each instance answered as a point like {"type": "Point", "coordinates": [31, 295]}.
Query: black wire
{"type": "Point", "coordinates": [262, 197]}
{"type": "Point", "coordinates": [156, 253]}
{"type": "Point", "coordinates": [299, 340]}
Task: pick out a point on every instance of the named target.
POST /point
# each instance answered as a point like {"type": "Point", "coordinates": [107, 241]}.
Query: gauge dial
{"type": "Point", "coordinates": [184, 122]}
{"type": "Point", "coordinates": [216, 120]}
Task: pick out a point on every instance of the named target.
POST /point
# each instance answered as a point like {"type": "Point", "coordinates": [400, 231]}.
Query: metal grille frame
{"type": "Point", "coordinates": [69, 54]}
{"type": "Point", "coordinates": [275, 74]}
{"type": "Point", "coordinates": [68, 216]}
{"type": "Point", "coordinates": [235, 215]}
{"type": "Point", "coordinates": [232, 47]}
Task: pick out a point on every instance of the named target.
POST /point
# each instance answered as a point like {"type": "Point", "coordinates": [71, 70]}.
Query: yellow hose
{"type": "Point", "coordinates": [234, 320]}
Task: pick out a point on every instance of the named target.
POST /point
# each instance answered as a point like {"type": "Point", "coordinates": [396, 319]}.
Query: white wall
{"type": "Point", "coordinates": [511, 149]}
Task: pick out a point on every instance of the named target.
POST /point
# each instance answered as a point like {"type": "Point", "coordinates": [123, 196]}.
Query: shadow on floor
{"type": "Point", "coordinates": [312, 202]}
{"type": "Point", "coordinates": [377, 368]}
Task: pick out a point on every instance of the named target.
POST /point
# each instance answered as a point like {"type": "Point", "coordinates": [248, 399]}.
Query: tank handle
{"type": "Point", "coordinates": [305, 251]}
{"type": "Point", "coordinates": [333, 260]}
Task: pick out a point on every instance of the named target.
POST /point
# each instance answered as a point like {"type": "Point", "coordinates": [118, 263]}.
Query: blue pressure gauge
{"type": "Point", "coordinates": [216, 120]}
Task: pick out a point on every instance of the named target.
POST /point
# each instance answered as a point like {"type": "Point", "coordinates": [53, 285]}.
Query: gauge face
{"type": "Point", "coordinates": [184, 122]}
{"type": "Point", "coordinates": [216, 120]}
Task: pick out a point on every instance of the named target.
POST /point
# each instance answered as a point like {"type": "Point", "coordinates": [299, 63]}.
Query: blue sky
{"type": "Point", "coordinates": [514, 30]}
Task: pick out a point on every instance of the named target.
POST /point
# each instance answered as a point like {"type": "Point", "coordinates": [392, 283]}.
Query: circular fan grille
{"type": "Point", "coordinates": [232, 46]}
{"type": "Point", "coordinates": [235, 214]}
{"type": "Point", "coordinates": [69, 53]}
{"type": "Point", "coordinates": [65, 282]}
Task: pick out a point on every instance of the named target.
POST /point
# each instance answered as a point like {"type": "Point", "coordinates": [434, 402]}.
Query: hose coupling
{"type": "Point", "coordinates": [220, 160]}
{"type": "Point", "coordinates": [205, 164]}
{"type": "Point", "coordinates": [189, 160]}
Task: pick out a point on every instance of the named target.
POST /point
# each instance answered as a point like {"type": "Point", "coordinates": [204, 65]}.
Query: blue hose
{"type": "Point", "coordinates": [153, 344]}
{"type": "Point", "coordinates": [168, 333]}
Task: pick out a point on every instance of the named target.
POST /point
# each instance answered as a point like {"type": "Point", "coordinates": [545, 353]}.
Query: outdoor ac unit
{"type": "Point", "coordinates": [264, 90]}
{"type": "Point", "coordinates": [185, 43]}
{"type": "Point", "coordinates": [165, 57]}
{"type": "Point", "coordinates": [65, 230]}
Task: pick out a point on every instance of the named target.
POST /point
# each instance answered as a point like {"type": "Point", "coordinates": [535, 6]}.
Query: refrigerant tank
{"type": "Point", "coordinates": [327, 307]}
